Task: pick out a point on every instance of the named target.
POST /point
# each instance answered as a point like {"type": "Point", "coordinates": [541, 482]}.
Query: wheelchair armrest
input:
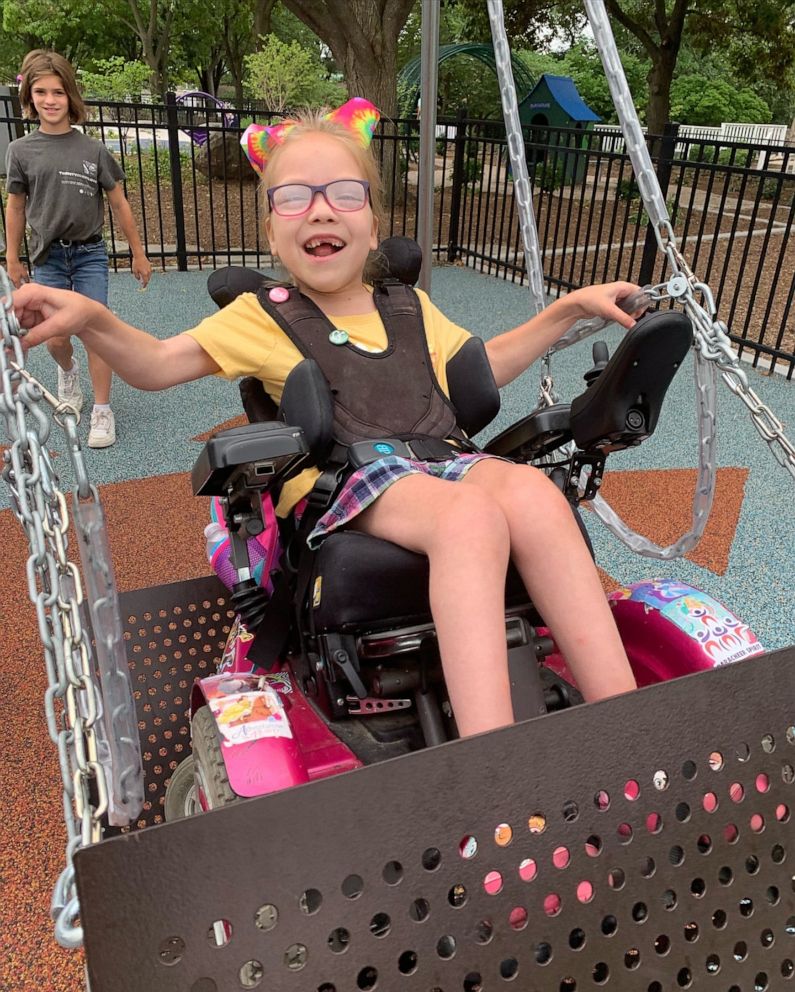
{"type": "Point", "coordinates": [621, 407]}
{"type": "Point", "coordinates": [255, 456]}
{"type": "Point", "coordinates": [537, 434]}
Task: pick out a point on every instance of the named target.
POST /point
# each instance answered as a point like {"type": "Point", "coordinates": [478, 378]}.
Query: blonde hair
{"type": "Point", "coordinates": [40, 63]}
{"type": "Point", "coordinates": [313, 122]}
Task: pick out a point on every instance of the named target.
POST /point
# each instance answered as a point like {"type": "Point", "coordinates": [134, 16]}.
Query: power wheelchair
{"type": "Point", "coordinates": [336, 665]}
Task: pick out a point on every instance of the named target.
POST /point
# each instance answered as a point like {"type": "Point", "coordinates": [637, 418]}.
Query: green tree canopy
{"type": "Point", "coordinates": [757, 39]}
{"type": "Point", "coordinates": [362, 35]}
{"type": "Point", "coordinates": [700, 100]}
{"type": "Point", "coordinates": [287, 75]}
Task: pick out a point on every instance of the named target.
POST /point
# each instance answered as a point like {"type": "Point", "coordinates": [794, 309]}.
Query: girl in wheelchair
{"type": "Point", "coordinates": [467, 511]}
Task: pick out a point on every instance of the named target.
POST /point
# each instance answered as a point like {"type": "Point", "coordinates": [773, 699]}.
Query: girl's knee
{"type": "Point", "coordinates": [471, 514]}
{"type": "Point", "coordinates": [523, 482]}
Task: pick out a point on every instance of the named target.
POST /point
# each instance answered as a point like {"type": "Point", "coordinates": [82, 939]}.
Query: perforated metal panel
{"type": "Point", "coordinates": [643, 843]}
{"type": "Point", "coordinates": [173, 634]}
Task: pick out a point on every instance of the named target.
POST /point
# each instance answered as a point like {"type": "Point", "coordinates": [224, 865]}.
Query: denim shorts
{"type": "Point", "coordinates": [367, 484]}
{"type": "Point", "coordinates": [83, 268]}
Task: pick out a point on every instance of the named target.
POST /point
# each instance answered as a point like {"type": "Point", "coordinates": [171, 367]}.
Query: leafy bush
{"type": "Point", "coordinates": [115, 79]}
{"type": "Point", "coordinates": [160, 172]}
{"type": "Point", "coordinates": [473, 168]}
{"type": "Point", "coordinates": [627, 189]}
{"type": "Point", "coordinates": [550, 175]}
{"type": "Point", "coordinates": [288, 75]}
{"type": "Point", "coordinates": [697, 99]}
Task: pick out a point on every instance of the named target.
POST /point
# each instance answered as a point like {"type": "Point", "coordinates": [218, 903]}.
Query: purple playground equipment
{"type": "Point", "coordinates": [196, 100]}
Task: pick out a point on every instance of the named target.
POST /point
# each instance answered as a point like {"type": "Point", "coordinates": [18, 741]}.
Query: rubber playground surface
{"type": "Point", "coordinates": [744, 560]}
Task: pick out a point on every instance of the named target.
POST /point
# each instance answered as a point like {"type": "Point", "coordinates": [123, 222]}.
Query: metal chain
{"type": "Point", "coordinates": [72, 701]}
{"type": "Point", "coordinates": [522, 190]}
{"type": "Point", "coordinates": [711, 335]}
{"type": "Point", "coordinates": [715, 345]}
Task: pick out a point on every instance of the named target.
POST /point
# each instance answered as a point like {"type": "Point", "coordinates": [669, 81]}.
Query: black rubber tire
{"type": "Point", "coordinates": [181, 792]}
{"type": "Point", "coordinates": [209, 767]}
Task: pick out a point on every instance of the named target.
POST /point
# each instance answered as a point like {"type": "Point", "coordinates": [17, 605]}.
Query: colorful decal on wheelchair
{"type": "Point", "coordinates": [245, 715]}
{"type": "Point", "coordinates": [723, 637]}
{"type": "Point", "coordinates": [237, 645]}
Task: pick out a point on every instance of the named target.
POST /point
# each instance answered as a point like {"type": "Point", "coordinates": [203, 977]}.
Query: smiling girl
{"type": "Point", "coordinates": [469, 512]}
{"type": "Point", "coordinates": [56, 177]}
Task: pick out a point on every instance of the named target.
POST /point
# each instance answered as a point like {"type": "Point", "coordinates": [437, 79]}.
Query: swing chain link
{"type": "Point", "coordinates": [72, 702]}
{"type": "Point", "coordinates": [714, 345]}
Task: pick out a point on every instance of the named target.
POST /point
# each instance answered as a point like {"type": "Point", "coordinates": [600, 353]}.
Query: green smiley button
{"type": "Point", "coordinates": [338, 337]}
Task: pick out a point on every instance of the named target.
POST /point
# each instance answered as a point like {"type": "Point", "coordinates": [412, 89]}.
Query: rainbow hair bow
{"type": "Point", "coordinates": [358, 116]}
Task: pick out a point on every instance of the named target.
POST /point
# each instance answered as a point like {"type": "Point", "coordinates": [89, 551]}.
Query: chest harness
{"type": "Point", "coordinates": [355, 407]}
{"type": "Point", "coordinates": [373, 413]}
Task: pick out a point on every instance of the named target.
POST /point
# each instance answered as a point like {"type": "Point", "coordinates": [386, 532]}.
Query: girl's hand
{"type": "Point", "coordinates": [603, 300]}
{"type": "Point", "coordinates": [142, 269]}
{"type": "Point", "coordinates": [17, 273]}
{"type": "Point", "coordinates": [49, 313]}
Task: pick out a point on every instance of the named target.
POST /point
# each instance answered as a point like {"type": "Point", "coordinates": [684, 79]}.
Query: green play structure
{"type": "Point", "coordinates": [410, 73]}
{"type": "Point", "coordinates": [554, 103]}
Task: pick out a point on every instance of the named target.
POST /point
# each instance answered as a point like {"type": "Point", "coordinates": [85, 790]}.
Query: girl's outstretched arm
{"type": "Point", "coordinates": [139, 358]}
{"type": "Point", "coordinates": [513, 351]}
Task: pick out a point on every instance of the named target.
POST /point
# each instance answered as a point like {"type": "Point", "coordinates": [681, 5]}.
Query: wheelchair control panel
{"type": "Point", "coordinates": [253, 456]}
{"type": "Point", "coordinates": [620, 406]}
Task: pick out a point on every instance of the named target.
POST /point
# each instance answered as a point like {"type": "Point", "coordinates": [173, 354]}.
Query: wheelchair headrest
{"type": "Point", "coordinates": [396, 258]}
{"type": "Point", "coordinates": [226, 284]}
{"type": "Point", "coordinates": [401, 259]}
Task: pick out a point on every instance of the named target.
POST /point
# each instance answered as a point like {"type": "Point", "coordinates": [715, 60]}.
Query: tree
{"type": "Point", "coordinates": [287, 75]}
{"type": "Point", "coordinates": [115, 79]}
{"type": "Point", "coordinates": [152, 23]}
{"type": "Point", "coordinates": [243, 21]}
{"type": "Point", "coordinates": [363, 38]}
{"type": "Point", "coordinates": [761, 35]}
{"type": "Point", "coordinates": [766, 29]}
{"type": "Point", "coordinates": [700, 100]}
{"type": "Point", "coordinates": [81, 30]}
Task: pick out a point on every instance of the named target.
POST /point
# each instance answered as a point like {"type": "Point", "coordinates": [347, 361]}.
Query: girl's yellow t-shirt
{"type": "Point", "coordinates": [243, 340]}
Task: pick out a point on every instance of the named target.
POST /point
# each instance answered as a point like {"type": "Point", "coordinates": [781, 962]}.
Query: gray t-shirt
{"type": "Point", "coordinates": [63, 176]}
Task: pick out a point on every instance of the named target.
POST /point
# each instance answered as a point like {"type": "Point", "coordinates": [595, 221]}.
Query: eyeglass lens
{"type": "Point", "coordinates": [341, 194]}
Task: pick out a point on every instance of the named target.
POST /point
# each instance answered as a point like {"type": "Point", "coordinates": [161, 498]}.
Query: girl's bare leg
{"type": "Point", "coordinates": [558, 572]}
{"type": "Point", "coordinates": [62, 351]}
{"type": "Point", "coordinates": [465, 536]}
{"type": "Point", "coordinates": [101, 375]}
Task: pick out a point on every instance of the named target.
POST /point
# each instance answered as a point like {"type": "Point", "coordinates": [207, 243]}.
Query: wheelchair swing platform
{"type": "Point", "coordinates": [643, 842]}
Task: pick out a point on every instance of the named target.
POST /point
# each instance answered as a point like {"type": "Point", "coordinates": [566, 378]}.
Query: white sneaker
{"type": "Point", "coordinates": [69, 390]}
{"type": "Point", "coordinates": [103, 429]}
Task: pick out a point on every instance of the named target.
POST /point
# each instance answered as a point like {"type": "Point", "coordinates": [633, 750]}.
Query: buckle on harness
{"type": "Point", "coordinates": [419, 449]}
{"type": "Point", "coordinates": [362, 453]}
{"type": "Point", "coordinates": [432, 449]}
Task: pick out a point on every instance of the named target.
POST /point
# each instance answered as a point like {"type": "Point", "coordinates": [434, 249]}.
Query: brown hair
{"type": "Point", "coordinates": [313, 122]}
{"type": "Point", "coordinates": [40, 63]}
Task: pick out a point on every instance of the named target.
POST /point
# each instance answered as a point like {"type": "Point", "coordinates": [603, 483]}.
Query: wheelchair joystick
{"type": "Point", "coordinates": [601, 356]}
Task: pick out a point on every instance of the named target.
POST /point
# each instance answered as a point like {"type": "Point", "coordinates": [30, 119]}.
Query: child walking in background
{"type": "Point", "coordinates": [469, 513]}
{"type": "Point", "coordinates": [55, 178]}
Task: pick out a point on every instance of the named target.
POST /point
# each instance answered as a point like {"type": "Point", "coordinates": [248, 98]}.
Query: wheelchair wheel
{"type": "Point", "coordinates": [212, 782]}
{"type": "Point", "coordinates": [181, 792]}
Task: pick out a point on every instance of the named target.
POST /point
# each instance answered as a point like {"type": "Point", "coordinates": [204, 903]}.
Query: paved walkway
{"type": "Point", "coordinates": [745, 559]}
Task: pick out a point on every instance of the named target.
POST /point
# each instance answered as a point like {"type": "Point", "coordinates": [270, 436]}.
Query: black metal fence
{"type": "Point", "coordinates": [732, 204]}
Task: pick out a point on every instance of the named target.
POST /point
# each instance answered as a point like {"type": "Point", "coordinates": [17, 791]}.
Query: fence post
{"type": "Point", "coordinates": [172, 124]}
{"type": "Point", "coordinates": [667, 145]}
{"type": "Point", "coordinates": [457, 183]}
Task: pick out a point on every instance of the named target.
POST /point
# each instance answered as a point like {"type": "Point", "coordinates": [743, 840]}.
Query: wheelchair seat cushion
{"type": "Point", "coordinates": [363, 581]}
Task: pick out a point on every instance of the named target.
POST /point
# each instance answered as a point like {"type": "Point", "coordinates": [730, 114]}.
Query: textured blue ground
{"type": "Point", "coordinates": [155, 432]}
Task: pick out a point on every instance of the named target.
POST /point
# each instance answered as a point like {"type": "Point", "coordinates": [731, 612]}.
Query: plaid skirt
{"type": "Point", "coordinates": [367, 483]}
